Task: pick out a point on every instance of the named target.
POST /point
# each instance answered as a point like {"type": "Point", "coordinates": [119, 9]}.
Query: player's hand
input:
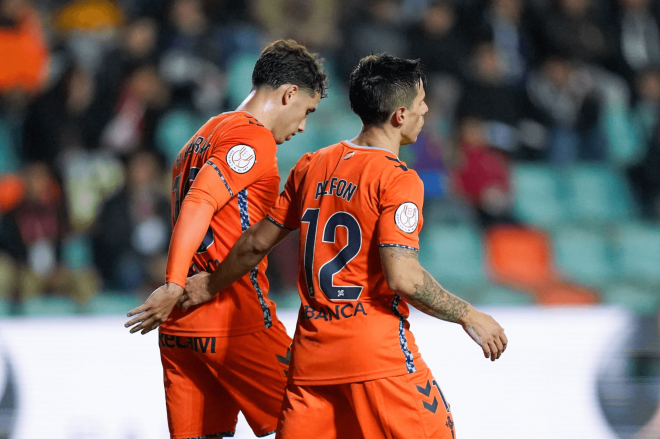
{"type": "Point", "coordinates": [155, 310]}
{"type": "Point", "coordinates": [486, 332]}
{"type": "Point", "coordinates": [196, 291]}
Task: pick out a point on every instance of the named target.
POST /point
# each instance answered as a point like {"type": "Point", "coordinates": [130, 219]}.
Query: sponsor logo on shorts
{"type": "Point", "coordinates": [241, 158]}
{"type": "Point", "coordinates": [407, 217]}
{"type": "Point", "coordinates": [197, 344]}
{"type": "Point", "coordinates": [339, 312]}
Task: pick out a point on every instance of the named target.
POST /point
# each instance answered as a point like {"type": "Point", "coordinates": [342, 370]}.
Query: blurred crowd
{"type": "Point", "coordinates": [98, 96]}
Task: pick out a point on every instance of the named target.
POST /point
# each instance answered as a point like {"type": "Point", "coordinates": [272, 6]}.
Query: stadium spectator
{"type": "Point", "coordinates": [579, 30]}
{"type": "Point", "coordinates": [645, 178]}
{"type": "Point", "coordinates": [437, 40]}
{"type": "Point", "coordinates": [61, 118]}
{"type": "Point", "coordinates": [137, 46]}
{"type": "Point", "coordinates": [503, 23]}
{"type": "Point", "coordinates": [87, 28]}
{"type": "Point", "coordinates": [567, 96]}
{"type": "Point", "coordinates": [32, 238]}
{"type": "Point", "coordinates": [377, 27]}
{"type": "Point", "coordinates": [133, 228]}
{"type": "Point", "coordinates": [482, 174]}
{"type": "Point", "coordinates": [312, 21]}
{"type": "Point", "coordinates": [487, 96]}
{"type": "Point", "coordinates": [22, 42]}
{"type": "Point", "coordinates": [638, 36]}
{"type": "Point", "coordinates": [142, 100]}
{"type": "Point", "coordinates": [193, 51]}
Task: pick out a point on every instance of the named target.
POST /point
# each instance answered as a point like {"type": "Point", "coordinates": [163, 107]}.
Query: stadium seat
{"type": "Point", "coordinates": [583, 253]}
{"type": "Point", "coordinates": [77, 252]}
{"type": "Point", "coordinates": [522, 258]}
{"type": "Point", "coordinates": [5, 308]}
{"type": "Point", "coordinates": [596, 193]}
{"type": "Point", "coordinates": [636, 298]}
{"type": "Point", "coordinates": [109, 303]}
{"type": "Point", "coordinates": [638, 252]}
{"type": "Point", "coordinates": [565, 293]}
{"type": "Point", "coordinates": [8, 158]}
{"type": "Point", "coordinates": [174, 130]}
{"type": "Point", "coordinates": [49, 306]}
{"type": "Point", "coordinates": [341, 125]}
{"type": "Point", "coordinates": [519, 256]}
{"type": "Point", "coordinates": [537, 195]}
{"type": "Point", "coordinates": [240, 78]}
{"type": "Point", "coordinates": [503, 296]}
{"type": "Point", "coordinates": [452, 254]}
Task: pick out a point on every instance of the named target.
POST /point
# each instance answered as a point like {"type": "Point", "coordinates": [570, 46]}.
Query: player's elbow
{"type": "Point", "coordinates": [256, 244]}
{"type": "Point", "coordinates": [400, 282]}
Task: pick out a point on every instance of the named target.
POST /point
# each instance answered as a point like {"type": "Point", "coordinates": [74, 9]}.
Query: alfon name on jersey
{"type": "Point", "coordinates": [337, 187]}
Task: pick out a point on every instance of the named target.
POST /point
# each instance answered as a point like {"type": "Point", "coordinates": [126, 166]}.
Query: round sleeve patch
{"type": "Point", "coordinates": [406, 217]}
{"type": "Point", "coordinates": [241, 158]}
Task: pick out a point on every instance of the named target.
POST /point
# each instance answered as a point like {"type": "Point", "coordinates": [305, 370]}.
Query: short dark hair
{"type": "Point", "coordinates": [287, 62]}
{"type": "Point", "coordinates": [382, 83]}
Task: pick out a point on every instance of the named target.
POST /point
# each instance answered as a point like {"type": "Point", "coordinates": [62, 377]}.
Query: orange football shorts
{"type": "Point", "coordinates": [406, 406]}
{"type": "Point", "coordinates": [208, 380]}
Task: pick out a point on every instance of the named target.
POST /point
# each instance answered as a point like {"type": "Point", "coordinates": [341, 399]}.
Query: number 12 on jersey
{"type": "Point", "coordinates": [339, 261]}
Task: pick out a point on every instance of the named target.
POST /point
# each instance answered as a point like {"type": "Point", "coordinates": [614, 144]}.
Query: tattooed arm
{"type": "Point", "coordinates": [406, 276]}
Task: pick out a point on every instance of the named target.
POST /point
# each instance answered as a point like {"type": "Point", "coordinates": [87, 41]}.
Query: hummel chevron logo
{"type": "Point", "coordinates": [401, 165]}
{"type": "Point", "coordinates": [431, 407]}
{"type": "Point", "coordinates": [285, 360]}
{"type": "Point", "coordinates": [426, 391]}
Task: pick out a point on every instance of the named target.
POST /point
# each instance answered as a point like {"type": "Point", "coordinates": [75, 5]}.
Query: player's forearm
{"type": "Point", "coordinates": [248, 251]}
{"type": "Point", "coordinates": [430, 297]}
{"type": "Point", "coordinates": [188, 233]}
{"type": "Point", "coordinates": [407, 277]}
{"type": "Point", "coordinates": [244, 256]}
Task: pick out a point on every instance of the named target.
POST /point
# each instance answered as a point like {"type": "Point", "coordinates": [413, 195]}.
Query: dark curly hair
{"type": "Point", "coordinates": [287, 62]}
{"type": "Point", "coordinates": [382, 83]}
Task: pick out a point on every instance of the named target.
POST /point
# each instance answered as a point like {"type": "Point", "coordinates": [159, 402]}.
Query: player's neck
{"type": "Point", "coordinates": [380, 138]}
{"type": "Point", "coordinates": [258, 104]}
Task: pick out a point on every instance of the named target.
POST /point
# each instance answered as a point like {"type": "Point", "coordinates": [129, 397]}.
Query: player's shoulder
{"type": "Point", "coordinates": [242, 127]}
{"type": "Point", "coordinates": [397, 176]}
{"type": "Point", "coordinates": [392, 169]}
{"type": "Point", "coordinates": [314, 157]}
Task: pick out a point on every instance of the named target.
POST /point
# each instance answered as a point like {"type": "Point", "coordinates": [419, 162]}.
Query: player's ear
{"type": "Point", "coordinates": [289, 93]}
{"type": "Point", "coordinates": [398, 117]}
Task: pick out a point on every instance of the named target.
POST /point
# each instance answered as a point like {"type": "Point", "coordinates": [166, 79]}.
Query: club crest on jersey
{"type": "Point", "coordinates": [406, 217]}
{"type": "Point", "coordinates": [241, 158]}
{"type": "Point", "coordinates": [349, 155]}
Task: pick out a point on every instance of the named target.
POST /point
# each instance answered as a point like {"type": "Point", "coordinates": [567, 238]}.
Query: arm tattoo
{"type": "Point", "coordinates": [435, 301]}
{"type": "Point", "coordinates": [399, 253]}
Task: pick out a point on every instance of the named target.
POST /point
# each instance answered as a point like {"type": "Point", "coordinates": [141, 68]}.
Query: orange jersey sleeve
{"type": "Point", "coordinates": [400, 218]}
{"type": "Point", "coordinates": [188, 232]}
{"type": "Point", "coordinates": [285, 212]}
{"type": "Point", "coordinates": [236, 161]}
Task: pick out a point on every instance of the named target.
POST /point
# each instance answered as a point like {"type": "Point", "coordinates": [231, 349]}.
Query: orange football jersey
{"type": "Point", "coordinates": [349, 200]}
{"type": "Point", "coordinates": [231, 162]}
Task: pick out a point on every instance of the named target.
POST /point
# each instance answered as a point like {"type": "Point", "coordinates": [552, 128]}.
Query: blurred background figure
{"type": "Point", "coordinates": [131, 234]}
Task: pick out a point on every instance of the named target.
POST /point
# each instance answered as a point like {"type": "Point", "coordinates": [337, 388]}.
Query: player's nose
{"type": "Point", "coordinates": [301, 127]}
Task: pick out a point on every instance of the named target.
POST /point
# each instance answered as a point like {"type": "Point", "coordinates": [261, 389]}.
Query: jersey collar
{"type": "Point", "coordinates": [348, 142]}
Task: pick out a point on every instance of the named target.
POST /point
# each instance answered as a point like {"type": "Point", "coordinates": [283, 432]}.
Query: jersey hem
{"type": "Point", "coordinates": [420, 366]}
